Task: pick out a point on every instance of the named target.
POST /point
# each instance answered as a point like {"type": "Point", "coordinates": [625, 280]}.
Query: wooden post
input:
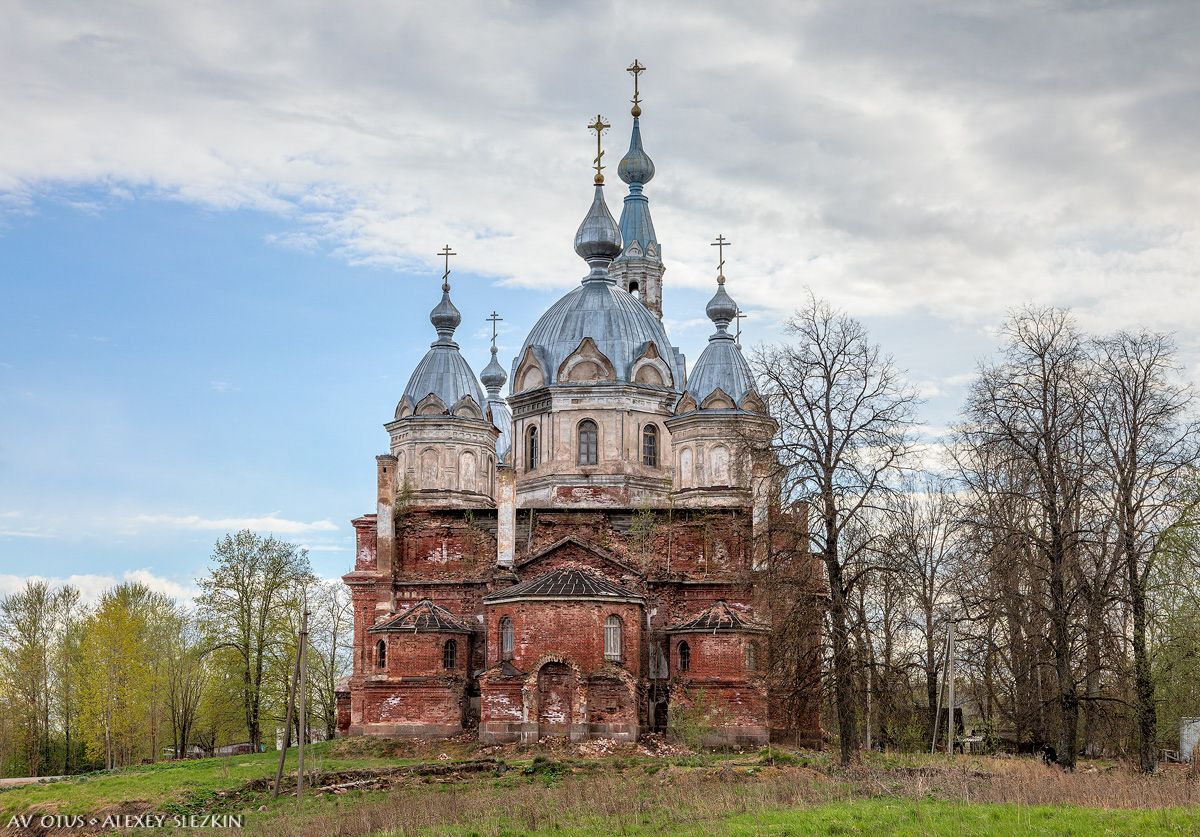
{"type": "Point", "coordinates": [302, 708]}
{"type": "Point", "coordinates": [287, 729]}
{"type": "Point", "coordinates": [950, 688]}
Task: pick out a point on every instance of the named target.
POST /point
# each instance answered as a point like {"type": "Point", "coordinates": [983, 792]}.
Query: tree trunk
{"type": "Point", "coordinates": [1144, 707]}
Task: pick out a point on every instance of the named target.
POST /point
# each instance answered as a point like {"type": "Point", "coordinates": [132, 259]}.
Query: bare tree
{"type": "Point", "coordinates": [845, 416]}
{"type": "Point", "coordinates": [1026, 415]}
{"type": "Point", "coordinates": [331, 632]}
{"type": "Point", "coordinates": [1148, 442]}
{"type": "Point", "coordinates": [185, 675]}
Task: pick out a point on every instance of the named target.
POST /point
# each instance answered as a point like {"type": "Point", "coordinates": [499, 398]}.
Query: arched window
{"type": "Point", "coordinates": [650, 445]}
{"type": "Point", "coordinates": [531, 449]}
{"type": "Point", "coordinates": [506, 638]}
{"type": "Point", "coordinates": [751, 657]}
{"type": "Point", "coordinates": [450, 654]}
{"type": "Point", "coordinates": [635, 290]}
{"type": "Point", "coordinates": [685, 657]}
{"type": "Point", "coordinates": [381, 654]}
{"type": "Point", "coordinates": [588, 437]}
{"type": "Point", "coordinates": [612, 638]}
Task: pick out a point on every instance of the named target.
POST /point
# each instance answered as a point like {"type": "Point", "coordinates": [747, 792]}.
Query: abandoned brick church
{"type": "Point", "coordinates": [584, 557]}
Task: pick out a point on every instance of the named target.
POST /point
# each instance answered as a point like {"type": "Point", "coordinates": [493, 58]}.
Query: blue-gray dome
{"type": "Point", "coordinates": [502, 421]}
{"type": "Point", "coordinates": [636, 166]}
{"type": "Point", "coordinates": [619, 325]}
{"type": "Point", "coordinates": [598, 236]}
{"type": "Point", "coordinates": [443, 371]}
{"type": "Point", "coordinates": [721, 364]}
{"type": "Point", "coordinates": [493, 377]}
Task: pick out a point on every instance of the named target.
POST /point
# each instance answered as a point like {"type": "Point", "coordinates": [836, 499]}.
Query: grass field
{"type": "Point", "coordinates": [361, 786]}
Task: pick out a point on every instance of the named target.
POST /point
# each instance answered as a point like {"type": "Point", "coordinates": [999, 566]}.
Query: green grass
{"type": "Point", "coordinates": [166, 783]}
{"type": "Point", "coordinates": [904, 818]}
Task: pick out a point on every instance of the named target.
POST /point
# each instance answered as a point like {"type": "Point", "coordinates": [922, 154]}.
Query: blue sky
{"type": "Point", "coordinates": [218, 224]}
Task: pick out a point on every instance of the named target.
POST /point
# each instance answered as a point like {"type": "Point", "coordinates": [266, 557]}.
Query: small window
{"type": "Point", "coordinates": [685, 657]}
{"type": "Point", "coordinates": [506, 638]}
{"type": "Point", "coordinates": [650, 445]}
{"type": "Point", "coordinates": [588, 436]}
{"type": "Point", "coordinates": [751, 657]}
{"type": "Point", "coordinates": [381, 654]}
{"type": "Point", "coordinates": [450, 654]}
{"type": "Point", "coordinates": [635, 290]}
{"type": "Point", "coordinates": [531, 449]}
{"type": "Point", "coordinates": [612, 638]}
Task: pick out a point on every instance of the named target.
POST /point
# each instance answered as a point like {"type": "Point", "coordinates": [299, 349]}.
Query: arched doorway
{"type": "Point", "coordinates": [556, 687]}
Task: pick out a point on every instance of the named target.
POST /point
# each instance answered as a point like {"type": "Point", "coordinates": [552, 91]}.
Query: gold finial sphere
{"type": "Point", "coordinates": [636, 110]}
{"type": "Point", "coordinates": [598, 179]}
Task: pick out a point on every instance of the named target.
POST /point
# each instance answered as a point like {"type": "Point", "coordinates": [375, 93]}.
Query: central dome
{"type": "Point", "coordinates": [619, 325]}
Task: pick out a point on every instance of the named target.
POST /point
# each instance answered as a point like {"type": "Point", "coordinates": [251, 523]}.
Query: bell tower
{"type": "Point", "coordinates": [639, 269]}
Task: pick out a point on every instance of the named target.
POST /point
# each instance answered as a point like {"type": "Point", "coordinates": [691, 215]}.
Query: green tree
{"type": "Point", "coordinates": [244, 605]}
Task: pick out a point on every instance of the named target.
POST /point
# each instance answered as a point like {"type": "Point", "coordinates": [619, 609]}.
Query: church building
{"type": "Point", "coordinates": [586, 556]}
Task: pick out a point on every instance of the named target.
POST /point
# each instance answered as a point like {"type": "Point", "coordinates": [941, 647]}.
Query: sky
{"type": "Point", "coordinates": [219, 221]}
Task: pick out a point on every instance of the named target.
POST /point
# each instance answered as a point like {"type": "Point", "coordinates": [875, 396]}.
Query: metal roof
{"type": "Point", "coordinates": [564, 584]}
{"type": "Point", "coordinates": [424, 617]}
{"type": "Point", "coordinates": [717, 617]}
{"type": "Point", "coordinates": [443, 371]}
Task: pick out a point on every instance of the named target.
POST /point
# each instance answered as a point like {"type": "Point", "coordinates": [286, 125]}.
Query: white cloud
{"type": "Point", "coordinates": [91, 585]}
{"type": "Point", "coordinates": [222, 386]}
{"type": "Point", "coordinates": [949, 157]}
{"type": "Point", "coordinates": [267, 523]}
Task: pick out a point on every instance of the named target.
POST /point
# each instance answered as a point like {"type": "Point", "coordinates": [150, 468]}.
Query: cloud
{"type": "Point", "coordinates": [946, 157]}
{"type": "Point", "coordinates": [91, 586]}
{"type": "Point", "coordinates": [222, 386]}
{"type": "Point", "coordinates": [268, 523]}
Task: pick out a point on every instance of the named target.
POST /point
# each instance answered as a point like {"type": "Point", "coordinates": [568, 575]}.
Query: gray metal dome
{"type": "Point", "coordinates": [502, 421]}
{"type": "Point", "coordinates": [619, 325]}
{"type": "Point", "coordinates": [443, 371]}
{"type": "Point", "coordinates": [721, 364]}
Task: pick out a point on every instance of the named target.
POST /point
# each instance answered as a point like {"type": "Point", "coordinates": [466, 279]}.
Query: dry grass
{"type": "Point", "coordinates": [647, 797]}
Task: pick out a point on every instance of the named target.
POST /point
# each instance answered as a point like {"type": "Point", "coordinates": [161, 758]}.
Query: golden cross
{"type": "Point", "coordinates": [721, 243]}
{"type": "Point", "coordinates": [447, 252]}
{"type": "Point", "coordinates": [599, 126]}
{"type": "Point", "coordinates": [637, 69]}
{"type": "Point", "coordinates": [493, 320]}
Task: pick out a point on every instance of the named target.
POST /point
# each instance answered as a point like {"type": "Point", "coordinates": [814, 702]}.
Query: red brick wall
{"type": "Point", "coordinates": [573, 629]}
{"type": "Point", "coordinates": [419, 655]}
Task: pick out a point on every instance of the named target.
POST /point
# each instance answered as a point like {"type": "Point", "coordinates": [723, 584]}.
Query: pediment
{"type": "Point", "coordinates": [718, 399]}
{"type": "Point", "coordinates": [529, 374]}
{"type": "Point", "coordinates": [650, 368]}
{"type": "Point", "coordinates": [575, 553]}
{"type": "Point", "coordinates": [686, 404]}
{"type": "Point", "coordinates": [586, 364]}
{"type": "Point", "coordinates": [431, 405]}
{"type": "Point", "coordinates": [751, 403]}
{"type": "Point", "coordinates": [467, 408]}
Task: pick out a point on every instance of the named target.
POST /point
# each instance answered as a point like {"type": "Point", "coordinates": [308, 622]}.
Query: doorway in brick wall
{"type": "Point", "coordinates": [556, 686]}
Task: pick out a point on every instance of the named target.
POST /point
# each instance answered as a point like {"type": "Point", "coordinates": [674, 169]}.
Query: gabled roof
{"type": "Point", "coordinates": [602, 554]}
{"type": "Point", "coordinates": [564, 584]}
{"type": "Point", "coordinates": [717, 617]}
{"type": "Point", "coordinates": [424, 617]}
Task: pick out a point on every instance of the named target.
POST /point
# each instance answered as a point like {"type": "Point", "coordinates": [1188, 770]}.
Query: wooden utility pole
{"type": "Point", "coordinates": [303, 712]}
{"type": "Point", "coordinates": [287, 729]}
{"type": "Point", "coordinates": [297, 685]}
{"type": "Point", "coordinates": [950, 730]}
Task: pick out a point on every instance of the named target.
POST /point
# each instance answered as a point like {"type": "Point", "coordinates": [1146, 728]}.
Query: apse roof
{"type": "Point", "coordinates": [717, 617]}
{"type": "Point", "coordinates": [564, 584]}
{"type": "Point", "coordinates": [424, 617]}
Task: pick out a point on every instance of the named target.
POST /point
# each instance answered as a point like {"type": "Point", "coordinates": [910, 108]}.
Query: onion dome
{"type": "Point", "coordinates": [636, 166]}
{"type": "Point", "coordinates": [721, 365]}
{"type": "Point", "coordinates": [598, 240]}
{"type": "Point", "coordinates": [444, 372]}
{"type": "Point", "coordinates": [493, 377]}
{"type": "Point", "coordinates": [637, 228]}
